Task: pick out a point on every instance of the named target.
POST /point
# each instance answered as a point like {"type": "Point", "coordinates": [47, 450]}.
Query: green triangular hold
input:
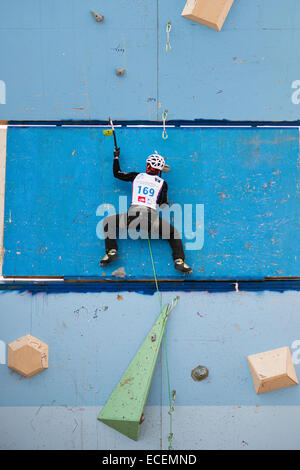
{"type": "Point", "coordinates": [124, 408]}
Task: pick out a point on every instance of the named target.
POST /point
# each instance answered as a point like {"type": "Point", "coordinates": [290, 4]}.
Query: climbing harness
{"type": "Point", "coordinates": [168, 29]}
{"type": "Point", "coordinates": [173, 395]}
{"type": "Point", "coordinates": [164, 118]}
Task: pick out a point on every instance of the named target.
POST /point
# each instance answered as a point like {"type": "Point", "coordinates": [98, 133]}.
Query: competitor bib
{"type": "Point", "coordinates": [146, 189]}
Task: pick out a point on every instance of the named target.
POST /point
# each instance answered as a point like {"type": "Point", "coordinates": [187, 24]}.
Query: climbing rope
{"type": "Point", "coordinates": [171, 397]}
{"type": "Point", "coordinates": [168, 29]}
{"type": "Point", "coordinates": [164, 118]}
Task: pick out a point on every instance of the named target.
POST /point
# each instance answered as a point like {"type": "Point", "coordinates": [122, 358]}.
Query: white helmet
{"type": "Point", "coordinates": [156, 161]}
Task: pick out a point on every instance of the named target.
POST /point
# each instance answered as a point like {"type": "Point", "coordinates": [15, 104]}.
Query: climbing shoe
{"type": "Point", "coordinates": [180, 265]}
{"type": "Point", "coordinates": [110, 256]}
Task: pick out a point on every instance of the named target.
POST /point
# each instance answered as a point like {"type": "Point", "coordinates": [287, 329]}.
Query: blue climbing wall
{"type": "Point", "coordinates": [59, 63]}
{"type": "Point", "coordinates": [244, 182]}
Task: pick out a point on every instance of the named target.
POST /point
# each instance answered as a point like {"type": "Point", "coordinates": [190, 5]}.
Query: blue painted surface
{"type": "Point", "coordinates": [246, 179]}
{"type": "Point", "coordinates": [60, 63]}
{"type": "Point", "coordinates": [93, 337]}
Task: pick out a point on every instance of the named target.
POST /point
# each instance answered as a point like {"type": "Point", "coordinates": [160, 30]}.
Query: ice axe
{"type": "Point", "coordinates": [109, 132]}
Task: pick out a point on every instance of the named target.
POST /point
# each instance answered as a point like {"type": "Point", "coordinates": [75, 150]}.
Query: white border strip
{"type": "Point", "coordinates": [3, 134]}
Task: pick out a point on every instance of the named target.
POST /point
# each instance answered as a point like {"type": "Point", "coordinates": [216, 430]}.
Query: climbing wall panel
{"type": "Point", "coordinates": [243, 182]}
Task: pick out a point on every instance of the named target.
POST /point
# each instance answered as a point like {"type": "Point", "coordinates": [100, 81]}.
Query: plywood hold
{"type": "Point", "coordinates": [211, 13]}
{"type": "Point", "coordinates": [27, 355]}
{"type": "Point", "coordinates": [272, 370]}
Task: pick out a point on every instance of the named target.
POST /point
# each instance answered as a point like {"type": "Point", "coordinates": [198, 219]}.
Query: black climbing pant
{"type": "Point", "coordinates": [142, 222]}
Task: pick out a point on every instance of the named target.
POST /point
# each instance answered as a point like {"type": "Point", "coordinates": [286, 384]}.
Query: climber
{"type": "Point", "coordinates": [148, 190]}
